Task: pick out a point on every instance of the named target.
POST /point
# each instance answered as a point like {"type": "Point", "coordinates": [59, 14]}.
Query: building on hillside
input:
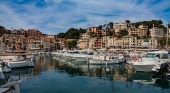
{"type": "Point", "coordinates": [105, 40]}
{"type": "Point", "coordinates": [83, 43]}
{"type": "Point", "coordinates": [142, 30]}
{"type": "Point", "coordinates": [119, 26]}
{"type": "Point", "coordinates": [4, 31]}
{"type": "Point", "coordinates": [98, 44]}
{"type": "Point", "coordinates": [140, 43]}
{"type": "Point", "coordinates": [85, 36]}
{"type": "Point", "coordinates": [9, 40]}
{"type": "Point", "coordinates": [156, 32]}
{"type": "Point", "coordinates": [34, 33]}
{"type": "Point", "coordinates": [132, 30]}
{"type": "Point", "coordinates": [104, 32]}
{"type": "Point", "coordinates": [62, 43]}
{"type": "Point", "coordinates": [112, 42]}
{"type": "Point", "coordinates": [19, 32]}
{"type": "Point", "coordinates": [34, 44]}
{"type": "Point", "coordinates": [129, 42]}
{"type": "Point", "coordinates": [92, 29]}
{"type": "Point", "coordinates": [150, 43]}
{"type": "Point", "coordinates": [119, 43]}
{"type": "Point", "coordinates": [91, 42]}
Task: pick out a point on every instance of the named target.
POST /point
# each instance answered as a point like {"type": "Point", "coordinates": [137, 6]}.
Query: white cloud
{"type": "Point", "coordinates": [57, 16]}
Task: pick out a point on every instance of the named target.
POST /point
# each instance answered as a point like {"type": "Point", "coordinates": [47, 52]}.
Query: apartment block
{"type": "Point", "coordinates": [156, 32]}
{"type": "Point", "coordinates": [142, 30]}
{"type": "Point", "coordinates": [92, 29]}
{"type": "Point", "coordinates": [85, 35]}
{"type": "Point", "coordinates": [97, 44]}
{"type": "Point", "coordinates": [91, 43]}
{"type": "Point", "coordinates": [132, 30]}
{"type": "Point", "coordinates": [19, 32]}
{"type": "Point", "coordinates": [129, 41]}
{"type": "Point", "coordinates": [105, 41]}
{"type": "Point", "coordinates": [119, 26]}
{"type": "Point", "coordinates": [34, 33]}
{"type": "Point", "coordinates": [112, 42]}
{"type": "Point", "coordinates": [83, 43]}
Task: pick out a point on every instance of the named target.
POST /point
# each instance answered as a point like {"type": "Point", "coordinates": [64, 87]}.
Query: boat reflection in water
{"type": "Point", "coordinates": [69, 76]}
{"type": "Point", "coordinates": [142, 78]}
{"type": "Point", "coordinates": [121, 73]}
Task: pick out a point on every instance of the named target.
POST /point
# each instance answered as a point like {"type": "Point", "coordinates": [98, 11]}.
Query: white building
{"type": "Point", "coordinates": [119, 26]}
{"type": "Point", "coordinates": [156, 32]}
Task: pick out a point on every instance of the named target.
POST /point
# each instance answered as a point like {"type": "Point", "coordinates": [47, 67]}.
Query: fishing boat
{"type": "Point", "coordinates": [17, 60]}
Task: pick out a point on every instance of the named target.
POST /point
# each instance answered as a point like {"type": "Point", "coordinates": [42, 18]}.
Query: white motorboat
{"type": "Point", "coordinates": [147, 62]}
{"type": "Point", "coordinates": [83, 55]}
{"type": "Point", "coordinates": [105, 60]}
{"type": "Point", "coordinates": [17, 60]}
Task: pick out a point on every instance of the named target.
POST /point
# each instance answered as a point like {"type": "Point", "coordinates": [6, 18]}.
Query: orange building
{"type": "Point", "coordinates": [35, 33]}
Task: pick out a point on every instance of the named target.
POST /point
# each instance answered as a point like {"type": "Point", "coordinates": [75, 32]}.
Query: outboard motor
{"type": "Point", "coordinates": [164, 68]}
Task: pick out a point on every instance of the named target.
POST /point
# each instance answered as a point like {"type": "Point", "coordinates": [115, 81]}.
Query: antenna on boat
{"type": "Point", "coordinates": [167, 37]}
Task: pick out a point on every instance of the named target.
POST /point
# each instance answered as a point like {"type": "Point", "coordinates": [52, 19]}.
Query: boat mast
{"type": "Point", "coordinates": [167, 37]}
{"type": "Point", "coordinates": [152, 37]}
{"type": "Point", "coordinates": [105, 33]}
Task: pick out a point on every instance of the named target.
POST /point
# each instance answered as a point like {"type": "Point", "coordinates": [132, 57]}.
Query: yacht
{"type": "Point", "coordinates": [151, 59]}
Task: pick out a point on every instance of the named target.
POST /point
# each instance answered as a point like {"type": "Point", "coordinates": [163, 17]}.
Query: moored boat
{"type": "Point", "coordinates": [147, 62]}
{"type": "Point", "coordinates": [17, 60]}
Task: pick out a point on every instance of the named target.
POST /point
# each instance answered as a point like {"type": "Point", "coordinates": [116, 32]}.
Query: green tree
{"type": "Point", "coordinates": [128, 22]}
{"type": "Point", "coordinates": [61, 35]}
{"type": "Point", "coordinates": [72, 44]}
{"type": "Point", "coordinates": [100, 27]}
{"type": "Point", "coordinates": [162, 41]}
{"type": "Point", "coordinates": [110, 33]}
{"type": "Point", "coordinates": [1, 27]}
{"type": "Point", "coordinates": [110, 25]}
{"type": "Point", "coordinates": [123, 32]}
{"type": "Point", "coordinates": [74, 33]}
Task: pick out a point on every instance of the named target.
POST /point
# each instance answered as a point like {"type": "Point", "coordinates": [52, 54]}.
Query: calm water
{"type": "Point", "coordinates": [54, 75]}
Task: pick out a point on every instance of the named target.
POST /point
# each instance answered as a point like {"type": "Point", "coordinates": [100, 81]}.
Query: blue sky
{"type": "Point", "coordinates": [55, 16]}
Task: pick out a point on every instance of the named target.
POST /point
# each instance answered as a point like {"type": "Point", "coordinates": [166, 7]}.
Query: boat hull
{"type": "Point", "coordinates": [144, 68]}
{"type": "Point", "coordinates": [20, 64]}
{"type": "Point", "coordinates": [102, 62]}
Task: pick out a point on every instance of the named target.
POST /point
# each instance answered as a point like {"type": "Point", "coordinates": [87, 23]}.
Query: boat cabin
{"type": "Point", "coordinates": [158, 55]}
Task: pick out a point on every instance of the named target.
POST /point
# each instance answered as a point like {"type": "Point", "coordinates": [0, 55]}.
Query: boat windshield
{"type": "Point", "coordinates": [159, 56]}
{"type": "Point", "coordinates": [152, 55]}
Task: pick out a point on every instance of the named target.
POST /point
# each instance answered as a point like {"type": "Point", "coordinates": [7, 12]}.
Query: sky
{"type": "Point", "coordinates": [56, 16]}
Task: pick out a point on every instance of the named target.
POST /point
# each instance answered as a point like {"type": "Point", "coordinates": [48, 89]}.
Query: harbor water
{"type": "Point", "coordinates": [58, 75]}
